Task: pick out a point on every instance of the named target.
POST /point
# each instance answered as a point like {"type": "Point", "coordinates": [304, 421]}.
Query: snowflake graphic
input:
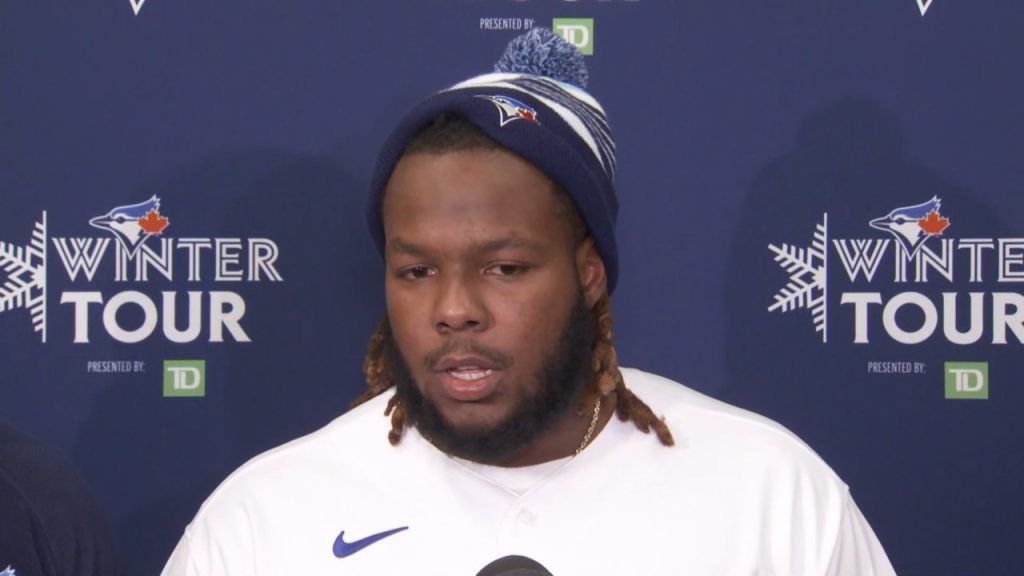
{"type": "Point", "coordinates": [808, 273]}
{"type": "Point", "coordinates": [25, 283]}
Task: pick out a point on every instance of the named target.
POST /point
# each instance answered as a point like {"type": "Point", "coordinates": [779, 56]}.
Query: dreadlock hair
{"type": "Point", "coordinates": [449, 133]}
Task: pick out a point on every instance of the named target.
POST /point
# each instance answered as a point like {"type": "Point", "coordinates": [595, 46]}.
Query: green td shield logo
{"type": "Point", "coordinates": [184, 377]}
{"type": "Point", "coordinates": [576, 31]}
{"type": "Point", "coordinates": [967, 380]}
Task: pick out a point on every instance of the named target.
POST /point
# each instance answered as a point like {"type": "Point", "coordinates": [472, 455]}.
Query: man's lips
{"type": "Point", "coordinates": [469, 374]}
{"type": "Point", "coordinates": [455, 362]}
{"type": "Point", "coordinates": [467, 378]}
{"type": "Point", "coordinates": [469, 384]}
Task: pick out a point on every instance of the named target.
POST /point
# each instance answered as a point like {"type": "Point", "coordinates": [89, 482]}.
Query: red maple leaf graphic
{"type": "Point", "coordinates": [528, 114]}
{"type": "Point", "coordinates": [933, 223]}
{"type": "Point", "coordinates": [153, 222]}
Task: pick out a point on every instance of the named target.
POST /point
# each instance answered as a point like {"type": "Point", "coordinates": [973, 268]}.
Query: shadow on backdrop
{"type": "Point", "coordinates": [893, 438]}
{"type": "Point", "coordinates": [152, 459]}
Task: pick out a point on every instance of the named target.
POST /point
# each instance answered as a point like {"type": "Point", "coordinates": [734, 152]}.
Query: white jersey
{"type": "Point", "coordinates": [737, 494]}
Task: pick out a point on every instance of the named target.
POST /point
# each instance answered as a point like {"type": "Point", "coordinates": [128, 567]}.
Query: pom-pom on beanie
{"type": "Point", "coordinates": [534, 104]}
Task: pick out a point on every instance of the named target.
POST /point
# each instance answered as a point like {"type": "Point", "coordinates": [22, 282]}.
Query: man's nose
{"type": "Point", "coordinates": [459, 305]}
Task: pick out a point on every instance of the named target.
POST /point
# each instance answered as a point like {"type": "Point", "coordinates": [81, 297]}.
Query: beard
{"type": "Point", "coordinates": [561, 379]}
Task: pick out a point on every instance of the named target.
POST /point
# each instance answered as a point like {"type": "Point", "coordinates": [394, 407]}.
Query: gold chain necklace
{"type": "Point", "coordinates": [590, 430]}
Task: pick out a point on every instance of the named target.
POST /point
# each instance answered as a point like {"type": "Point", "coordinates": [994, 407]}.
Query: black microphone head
{"type": "Point", "coordinates": [514, 566]}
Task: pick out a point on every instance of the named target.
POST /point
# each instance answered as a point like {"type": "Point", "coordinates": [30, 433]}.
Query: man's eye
{"type": "Point", "coordinates": [416, 273]}
{"type": "Point", "coordinates": [506, 269]}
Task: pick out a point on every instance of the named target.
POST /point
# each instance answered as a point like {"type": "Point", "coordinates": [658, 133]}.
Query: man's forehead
{"type": "Point", "coordinates": [471, 204]}
{"type": "Point", "coordinates": [483, 244]}
{"type": "Point", "coordinates": [471, 161]}
{"type": "Point", "coordinates": [468, 182]}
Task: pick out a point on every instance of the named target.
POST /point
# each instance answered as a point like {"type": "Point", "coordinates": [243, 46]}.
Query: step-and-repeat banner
{"type": "Point", "coordinates": [821, 221]}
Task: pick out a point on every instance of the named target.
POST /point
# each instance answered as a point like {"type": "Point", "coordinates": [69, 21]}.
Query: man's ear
{"type": "Point", "coordinates": [590, 271]}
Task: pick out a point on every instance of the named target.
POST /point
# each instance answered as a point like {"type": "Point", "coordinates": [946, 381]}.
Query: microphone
{"type": "Point", "coordinates": [514, 566]}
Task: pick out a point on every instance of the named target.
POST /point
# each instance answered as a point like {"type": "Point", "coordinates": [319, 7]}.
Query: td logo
{"type": "Point", "coordinates": [576, 31]}
{"type": "Point", "coordinates": [967, 380]}
{"type": "Point", "coordinates": [184, 378]}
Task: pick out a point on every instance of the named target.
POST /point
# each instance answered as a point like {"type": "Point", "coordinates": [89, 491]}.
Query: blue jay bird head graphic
{"type": "Point", "coordinates": [9, 571]}
{"type": "Point", "coordinates": [510, 109]}
{"type": "Point", "coordinates": [132, 224]}
{"type": "Point", "coordinates": [912, 225]}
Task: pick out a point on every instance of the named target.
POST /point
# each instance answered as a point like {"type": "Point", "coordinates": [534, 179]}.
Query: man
{"type": "Point", "coordinates": [493, 206]}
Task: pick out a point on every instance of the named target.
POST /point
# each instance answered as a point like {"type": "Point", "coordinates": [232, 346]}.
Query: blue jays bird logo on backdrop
{"type": "Point", "coordinates": [9, 571]}
{"type": "Point", "coordinates": [510, 109]}
{"type": "Point", "coordinates": [133, 224]}
{"type": "Point", "coordinates": [913, 225]}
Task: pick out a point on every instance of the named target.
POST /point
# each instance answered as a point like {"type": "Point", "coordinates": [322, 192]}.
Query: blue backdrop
{"type": "Point", "coordinates": [757, 142]}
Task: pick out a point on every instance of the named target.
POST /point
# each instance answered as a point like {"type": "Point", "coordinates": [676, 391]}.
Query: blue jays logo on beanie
{"type": "Point", "coordinates": [512, 109]}
{"type": "Point", "coordinates": [535, 105]}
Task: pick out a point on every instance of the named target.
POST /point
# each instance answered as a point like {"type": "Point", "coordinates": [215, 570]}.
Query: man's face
{"type": "Point", "coordinates": [482, 279]}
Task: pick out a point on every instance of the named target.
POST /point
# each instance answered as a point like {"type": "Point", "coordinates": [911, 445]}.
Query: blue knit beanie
{"type": "Point", "coordinates": [534, 105]}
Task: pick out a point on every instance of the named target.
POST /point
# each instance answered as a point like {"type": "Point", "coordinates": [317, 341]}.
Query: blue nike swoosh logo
{"type": "Point", "coordinates": [343, 549]}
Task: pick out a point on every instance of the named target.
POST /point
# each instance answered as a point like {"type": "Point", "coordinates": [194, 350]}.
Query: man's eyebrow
{"type": "Point", "coordinates": [499, 244]}
{"type": "Point", "coordinates": [399, 246]}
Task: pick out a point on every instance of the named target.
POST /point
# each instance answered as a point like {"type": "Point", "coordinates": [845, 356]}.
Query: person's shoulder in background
{"type": "Point", "coordinates": [50, 523]}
